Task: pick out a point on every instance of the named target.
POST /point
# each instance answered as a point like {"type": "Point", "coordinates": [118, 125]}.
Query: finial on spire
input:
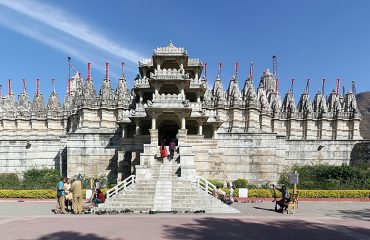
{"type": "Point", "coordinates": [274, 66]}
{"type": "Point", "coordinates": [88, 71]}
{"type": "Point", "coordinates": [37, 87]}
{"type": "Point", "coordinates": [251, 71]}
{"type": "Point", "coordinates": [323, 86]}
{"type": "Point", "coordinates": [123, 69]}
{"type": "Point", "coordinates": [69, 87]}
{"type": "Point", "coordinates": [9, 87]}
{"type": "Point", "coordinates": [53, 85]}
{"type": "Point", "coordinates": [338, 86]}
{"type": "Point", "coordinates": [219, 69]}
{"type": "Point", "coordinates": [205, 70]}
{"type": "Point", "coordinates": [354, 87]}
{"type": "Point", "coordinates": [292, 85]}
{"type": "Point", "coordinates": [170, 44]}
{"type": "Point", "coordinates": [106, 71]}
{"type": "Point", "coordinates": [307, 90]}
{"type": "Point", "coordinates": [24, 85]}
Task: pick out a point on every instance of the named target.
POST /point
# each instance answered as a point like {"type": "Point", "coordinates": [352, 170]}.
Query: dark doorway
{"type": "Point", "coordinates": [167, 131]}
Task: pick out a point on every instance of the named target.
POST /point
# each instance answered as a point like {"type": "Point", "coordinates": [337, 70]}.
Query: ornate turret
{"type": "Point", "coordinates": [319, 104]}
{"type": "Point", "coordinates": [10, 102]}
{"type": "Point", "coordinates": [218, 92]}
{"type": "Point", "coordinates": [122, 92]}
{"type": "Point", "coordinates": [350, 104]}
{"type": "Point", "coordinates": [333, 102]}
{"type": "Point", "coordinates": [106, 92]}
{"type": "Point", "coordinates": [304, 104]}
{"type": "Point", "coordinates": [38, 106]}
{"type": "Point", "coordinates": [53, 104]}
{"type": "Point", "coordinates": [24, 102]}
{"type": "Point", "coordinates": [288, 104]}
{"type": "Point", "coordinates": [268, 81]}
{"type": "Point", "coordinates": [233, 93]}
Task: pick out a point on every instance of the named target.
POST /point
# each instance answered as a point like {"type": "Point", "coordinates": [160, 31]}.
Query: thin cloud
{"type": "Point", "coordinates": [60, 20]}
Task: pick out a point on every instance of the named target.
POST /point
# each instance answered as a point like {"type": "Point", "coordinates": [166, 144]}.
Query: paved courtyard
{"type": "Point", "coordinates": [315, 220]}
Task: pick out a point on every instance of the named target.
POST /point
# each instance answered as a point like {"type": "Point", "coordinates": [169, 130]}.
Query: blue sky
{"type": "Point", "coordinates": [311, 39]}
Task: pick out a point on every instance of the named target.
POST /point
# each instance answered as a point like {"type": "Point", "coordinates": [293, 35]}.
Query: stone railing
{"type": "Point", "coordinates": [168, 97]}
{"type": "Point", "coordinates": [197, 84]}
{"type": "Point", "coordinates": [196, 106]}
{"type": "Point", "coordinates": [205, 185]}
{"type": "Point", "coordinates": [169, 74]}
{"type": "Point", "coordinates": [194, 62]}
{"type": "Point", "coordinates": [146, 62]}
{"type": "Point", "coordinates": [120, 186]}
{"type": "Point", "coordinates": [141, 83]}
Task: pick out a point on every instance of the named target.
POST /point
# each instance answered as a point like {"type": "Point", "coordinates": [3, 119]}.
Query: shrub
{"type": "Point", "coordinates": [10, 181]}
{"type": "Point", "coordinates": [217, 183]}
{"type": "Point", "coordinates": [329, 177]}
{"type": "Point", "coordinates": [40, 178]}
{"type": "Point", "coordinates": [241, 183]}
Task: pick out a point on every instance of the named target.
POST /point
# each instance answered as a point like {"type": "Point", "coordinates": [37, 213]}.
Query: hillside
{"type": "Point", "coordinates": [363, 103]}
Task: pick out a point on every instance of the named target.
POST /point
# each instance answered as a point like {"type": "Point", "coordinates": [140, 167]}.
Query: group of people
{"type": "Point", "coordinates": [163, 150]}
{"type": "Point", "coordinates": [69, 195]}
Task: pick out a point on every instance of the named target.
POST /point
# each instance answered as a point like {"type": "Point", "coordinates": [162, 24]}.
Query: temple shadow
{"type": "Point", "coordinates": [221, 228]}
{"type": "Point", "coordinates": [72, 236]}
{"type": "Point", "coordinates": [363, 214]}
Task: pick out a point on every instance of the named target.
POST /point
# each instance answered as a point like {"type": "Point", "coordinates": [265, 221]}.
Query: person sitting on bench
{"type": "Point", "coordinates": [285, 198]}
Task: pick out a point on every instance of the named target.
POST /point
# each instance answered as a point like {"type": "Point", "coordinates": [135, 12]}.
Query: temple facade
{"type": "Point", "coordinates": [243, 130]}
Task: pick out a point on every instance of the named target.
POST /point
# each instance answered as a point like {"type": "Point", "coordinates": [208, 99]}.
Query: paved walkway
{"type": "Point", "coordinates": [315, 220]}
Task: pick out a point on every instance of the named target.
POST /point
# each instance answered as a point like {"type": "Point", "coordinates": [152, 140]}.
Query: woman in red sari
{"type": "Point", "coordinates": [163, 151]}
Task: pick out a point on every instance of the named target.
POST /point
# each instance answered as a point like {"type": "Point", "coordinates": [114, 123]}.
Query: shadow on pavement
{"type": "Point", "coordinates": [355, 214]}
{"type": "Point", "coordinates": [266, 209]}
{"type": "Point", "coordinates": [217, 228]}
{"type": "Point", "coordinates": [67, 235]}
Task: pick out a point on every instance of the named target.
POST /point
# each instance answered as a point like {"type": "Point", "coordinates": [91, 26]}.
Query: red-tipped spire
{"type": "Point", "coordinates": [9, 87]}
{"type": "Point", "coordinates": [53, 84]}
{"type": "Point", "coordinates": [236, 69]}
{"type": "Point", "coordinates": [308, 85]}
{"type": "Point", "coordinates": [205, 70]}
{"type": "Point", "coordinates": [69, 87]}
{"type": "Point", "coordinates": [338, 85]}
{"type": "Point", "coordinates": [88, 71]}
{"type": "Point", "coordinates": [219, 69]}
{"type": "Point", "coordinates": [24, 85]}
{"type": "Point", "coordinates": [106, 71]}
{"type": "Point", "coordinates": [323, 86]}
{"type": "Point", "coordinates": [37, 87]}
{"type": "Point", "coordinates": [251, 71]}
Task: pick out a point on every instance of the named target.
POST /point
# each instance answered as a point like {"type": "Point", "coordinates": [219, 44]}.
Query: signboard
{"type": "Point", "coordinates": [88, 193]}
{"type": "Point", "coordinates": [294, 178]}
{"type": "Point", "coordinates": [243, 192]}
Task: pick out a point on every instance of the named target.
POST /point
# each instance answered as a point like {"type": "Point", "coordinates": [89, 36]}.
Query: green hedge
{"type": "Point", "coordinates": [329, 177]}
{"type": "Point", "coordinates": [261, 193]}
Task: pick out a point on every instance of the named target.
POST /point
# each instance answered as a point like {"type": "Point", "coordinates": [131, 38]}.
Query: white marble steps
{"type": "Point", "coordinates": [165, 192]}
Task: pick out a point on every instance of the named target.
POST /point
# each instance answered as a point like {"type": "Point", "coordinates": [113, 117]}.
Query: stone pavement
{"type": "Point", "coordinates": [315, 220]}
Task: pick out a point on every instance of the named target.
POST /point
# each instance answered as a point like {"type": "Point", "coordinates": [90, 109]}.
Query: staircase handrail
{"type": "Point", "coordinates": [121, 186]}
{"type": "Point", "coordinates": [205, 185]}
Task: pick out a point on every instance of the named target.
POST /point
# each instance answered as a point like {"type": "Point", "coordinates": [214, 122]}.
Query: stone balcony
{"type": "Point", "coordinates": [169, 74]}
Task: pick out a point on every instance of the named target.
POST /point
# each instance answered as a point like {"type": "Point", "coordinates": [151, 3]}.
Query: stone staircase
{"type": "Point", "coordinates": [165, 192]}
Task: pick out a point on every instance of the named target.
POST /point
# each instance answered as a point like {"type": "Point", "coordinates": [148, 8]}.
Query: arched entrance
{"type": "Point", "coordinates": [168, 128]}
